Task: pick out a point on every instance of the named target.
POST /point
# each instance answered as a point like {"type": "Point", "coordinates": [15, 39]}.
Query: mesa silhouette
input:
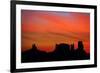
{"type": "Point", "coordinates": [62, 52]}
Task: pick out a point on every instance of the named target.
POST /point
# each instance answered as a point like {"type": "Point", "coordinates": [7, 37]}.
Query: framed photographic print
{"type": "Point", "coordinates": [51, 36]}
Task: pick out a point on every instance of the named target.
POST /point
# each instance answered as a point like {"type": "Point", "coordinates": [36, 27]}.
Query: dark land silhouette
{"type": "Point", "coordinates": [62, 52]}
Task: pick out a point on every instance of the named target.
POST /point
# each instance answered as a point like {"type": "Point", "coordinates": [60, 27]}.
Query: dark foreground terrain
{"type": "Point", "coordinates": [62, 52]}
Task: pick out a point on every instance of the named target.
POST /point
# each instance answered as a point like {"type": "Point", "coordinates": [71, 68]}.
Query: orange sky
{"type": "Point", "coordinates": [47, 28]}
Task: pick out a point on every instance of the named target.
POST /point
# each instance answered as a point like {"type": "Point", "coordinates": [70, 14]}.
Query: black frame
{"type": "Point", "coordinates": [13, 35]}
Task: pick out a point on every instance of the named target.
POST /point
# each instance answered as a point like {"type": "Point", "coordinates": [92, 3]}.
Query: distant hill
{"type": "Point", "coordinates": [62, 52]}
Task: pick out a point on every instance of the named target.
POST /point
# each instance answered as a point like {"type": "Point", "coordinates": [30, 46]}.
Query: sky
{"type": "Point", "coordinates": [45, 29]}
